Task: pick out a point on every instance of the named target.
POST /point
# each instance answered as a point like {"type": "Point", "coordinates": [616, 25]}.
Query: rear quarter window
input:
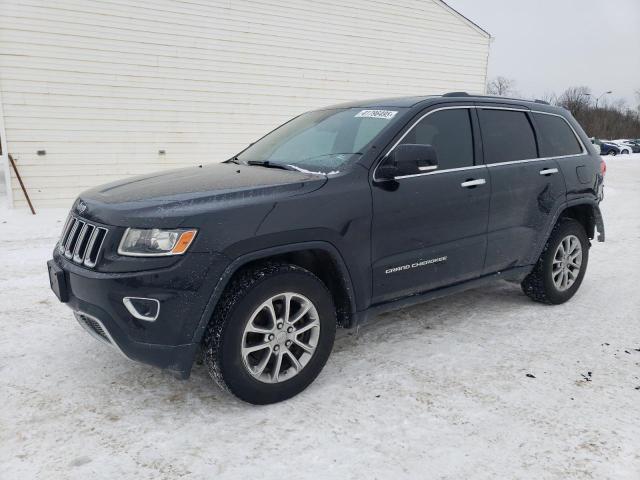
{"type": "Point", "coordinates": [556, 138]}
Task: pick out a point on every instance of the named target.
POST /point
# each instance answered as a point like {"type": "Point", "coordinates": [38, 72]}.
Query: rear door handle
{"type": "Point", "coordinates": [473, 183]}
{"type": "Point", "coordinates": [548, 171]}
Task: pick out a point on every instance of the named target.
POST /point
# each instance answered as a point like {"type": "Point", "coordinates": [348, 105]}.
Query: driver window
{"type": "Point", "coordinates": [450, 133]}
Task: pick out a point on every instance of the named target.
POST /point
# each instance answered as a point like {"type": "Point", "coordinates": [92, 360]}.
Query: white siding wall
{"type": "Point", "coordinates": [102, 86]}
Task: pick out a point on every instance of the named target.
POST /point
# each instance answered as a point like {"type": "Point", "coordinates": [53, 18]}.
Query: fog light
{"type": "Point", "coordinates": [146, 309]}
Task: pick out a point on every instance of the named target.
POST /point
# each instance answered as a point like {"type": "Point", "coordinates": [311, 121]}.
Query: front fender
{"type": "Point", "coordinates": [236, 264]}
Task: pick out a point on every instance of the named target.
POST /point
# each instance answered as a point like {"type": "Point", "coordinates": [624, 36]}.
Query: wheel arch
{"type": "Point", "coordinates": [319, 257]}
{"type": "Point", "coordinates": [589, 215]}
{"type": "Point", "coordinates": [585, 211]}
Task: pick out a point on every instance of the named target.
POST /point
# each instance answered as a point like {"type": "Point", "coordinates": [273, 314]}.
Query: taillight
{"type": "Point", "coordinates": [603, 167]}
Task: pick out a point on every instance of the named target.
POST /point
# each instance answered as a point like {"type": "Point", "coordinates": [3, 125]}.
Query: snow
{"type": "Point", "coordinates": [434, 391]}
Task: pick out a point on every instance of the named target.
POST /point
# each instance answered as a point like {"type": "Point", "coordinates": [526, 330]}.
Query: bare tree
{"type": "Point", "coordinates": [575, 99]}
{"type": "Point", "coordinates": [501, 86]}
{"type": "Point", "coordinates": [620, 105]}
{"type": "Point", "coordinates": [609, 119]}
{"type": "Point", "coordinates": [549, 97]}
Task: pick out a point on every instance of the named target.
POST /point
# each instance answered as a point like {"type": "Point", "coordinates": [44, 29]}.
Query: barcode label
{"type": "Point", "coordinates": [387, 114]}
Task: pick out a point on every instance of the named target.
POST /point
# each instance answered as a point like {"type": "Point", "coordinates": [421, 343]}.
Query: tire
{"type": "Point", "coordinates": [624, 152]}
{"type": "Point", "coordinates": [539, 285]}
{"type": "Point", "coordinates": [244, 308]}
{"type": "Point", "coordinates": [612, 153]}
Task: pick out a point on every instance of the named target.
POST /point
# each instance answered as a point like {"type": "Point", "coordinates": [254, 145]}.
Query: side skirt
{"type": "Point", "coordinates": [516, 274]}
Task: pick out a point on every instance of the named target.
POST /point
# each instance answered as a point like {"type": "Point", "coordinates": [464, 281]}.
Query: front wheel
{"type": "Point", "coordinates": [560, 269]}
{"type": "Point", "coordinates": [612, 153]}
{"type": "Point", "coordinates": [271, 333]}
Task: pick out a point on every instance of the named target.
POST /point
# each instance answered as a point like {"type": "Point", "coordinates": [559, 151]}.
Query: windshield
{"type": "Point", "coordinates": [321, 141]}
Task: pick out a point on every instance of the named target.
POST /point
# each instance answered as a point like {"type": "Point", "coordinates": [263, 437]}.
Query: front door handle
{"type": "Point", "coordinates": [548, 171]}
{"type": "Point", "coordinates": [473, 183]}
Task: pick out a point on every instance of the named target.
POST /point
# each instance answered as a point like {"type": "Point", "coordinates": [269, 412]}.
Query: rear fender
{"type": "Point", "coordinates": [595, 219]}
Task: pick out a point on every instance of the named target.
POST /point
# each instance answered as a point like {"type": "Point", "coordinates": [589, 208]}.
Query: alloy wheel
{"type": "Point", "coordinates": [567, 262]}
{"type": "Point", "coordinates": [280, 337]}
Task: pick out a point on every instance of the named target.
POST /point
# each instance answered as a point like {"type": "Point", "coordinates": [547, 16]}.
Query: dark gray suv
{"type": "Point", "coordinates": [339, 214]}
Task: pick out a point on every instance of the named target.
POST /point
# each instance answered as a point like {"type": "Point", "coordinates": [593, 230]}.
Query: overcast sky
{"type": "Point", "coordinates": [549, 45]}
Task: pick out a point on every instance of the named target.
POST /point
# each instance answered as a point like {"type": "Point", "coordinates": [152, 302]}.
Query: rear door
{"type": "Point", "coordinates": [429, 230]}
{"type": "Point", "coordinates": [525, 189]}
{"type": "Point", "coordinates": [558, 139]}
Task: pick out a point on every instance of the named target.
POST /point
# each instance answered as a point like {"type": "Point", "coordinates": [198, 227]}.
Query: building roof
{"type": "Point", "coordinates": [473, 24]}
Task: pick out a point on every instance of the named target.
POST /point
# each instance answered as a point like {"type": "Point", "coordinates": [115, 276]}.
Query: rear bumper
{"type": "Point", "coordinates": [182, 292]}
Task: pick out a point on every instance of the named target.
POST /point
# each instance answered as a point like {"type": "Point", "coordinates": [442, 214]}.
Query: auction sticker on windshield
{"type": "Point", "coordinates": [388, 114]}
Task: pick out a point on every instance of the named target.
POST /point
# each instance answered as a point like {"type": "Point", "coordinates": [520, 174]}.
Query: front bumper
{"type": "Point", "coordinates": [182, 290]}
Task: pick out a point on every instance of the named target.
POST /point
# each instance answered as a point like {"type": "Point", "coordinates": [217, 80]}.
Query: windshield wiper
{"type": "Point", "coordinates": [330, 155]}
{"type": "Point", "coordinates": [268, 164]}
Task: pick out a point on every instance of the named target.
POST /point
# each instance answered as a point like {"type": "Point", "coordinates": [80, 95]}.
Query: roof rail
{"type": "Point", "coordinates": [496, 97]}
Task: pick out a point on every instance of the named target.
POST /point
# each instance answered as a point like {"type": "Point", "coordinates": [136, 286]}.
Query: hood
{"type": "Point", "coordinates": [174, 194]}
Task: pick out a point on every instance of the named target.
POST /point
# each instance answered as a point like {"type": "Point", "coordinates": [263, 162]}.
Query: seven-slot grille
{"type": "Point", "coordinates": [82, 241]}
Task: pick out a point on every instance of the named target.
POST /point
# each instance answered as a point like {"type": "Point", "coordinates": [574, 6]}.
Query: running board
{"type": "Point", "coordinates": [513, 274]}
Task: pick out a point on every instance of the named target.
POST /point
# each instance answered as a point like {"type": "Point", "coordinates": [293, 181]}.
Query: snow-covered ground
{"type": "Point", "coordinates": [482, 385]}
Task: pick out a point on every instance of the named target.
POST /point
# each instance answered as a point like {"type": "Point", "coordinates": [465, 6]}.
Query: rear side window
{"type": "Point", "coordinates": [507, 136]}
{"type": "Point", "coordinates": [555, 136]}
{"type": "Point", "coordinates": [450, 133]}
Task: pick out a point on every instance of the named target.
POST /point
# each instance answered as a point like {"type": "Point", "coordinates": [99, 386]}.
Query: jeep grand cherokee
{"type": "Point", "coordinates": [337, 215]}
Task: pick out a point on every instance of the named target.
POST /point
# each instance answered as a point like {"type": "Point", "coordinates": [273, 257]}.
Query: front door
{"type": "Point", "coordinates": [429, 230]}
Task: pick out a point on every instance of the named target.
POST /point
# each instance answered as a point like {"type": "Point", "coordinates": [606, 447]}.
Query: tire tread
{"type": "Point", "coordinates": [233, 294]}
{"type": "Point", "coordinates": [533, 284]}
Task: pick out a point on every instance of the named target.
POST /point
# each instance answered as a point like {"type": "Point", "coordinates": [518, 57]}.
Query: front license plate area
{"type": "Point", "coordinates": [58, 282]}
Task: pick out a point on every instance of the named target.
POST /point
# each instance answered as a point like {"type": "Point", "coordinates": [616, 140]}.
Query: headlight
{"type": "Point", "coordinates": [155, 242]}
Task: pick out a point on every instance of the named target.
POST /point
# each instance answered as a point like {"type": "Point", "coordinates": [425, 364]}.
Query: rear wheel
{"type": "Point", "coordinates": [271, 334]}
{"type": "Point", "coordinates": [612, 153]}
{"type": "Point", "coordinates": [561, 267]}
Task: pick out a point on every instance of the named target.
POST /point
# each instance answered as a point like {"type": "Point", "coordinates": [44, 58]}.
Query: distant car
{"type": "Point", "coordinates": [635, 146]}
{"type": "Point", "coordinates": [606, 148]}
{"type": "Point", "coordinates": [632, 144]}
{"type": "Point", "coordinates": [624, 149]}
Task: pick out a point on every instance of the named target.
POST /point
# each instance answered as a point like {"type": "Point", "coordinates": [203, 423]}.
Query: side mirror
{"type": "Point", "coordinates": [408, 159]}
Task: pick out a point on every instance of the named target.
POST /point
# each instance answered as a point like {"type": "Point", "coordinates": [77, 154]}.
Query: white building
{"type": "Point", "coordinates": [95, 90]}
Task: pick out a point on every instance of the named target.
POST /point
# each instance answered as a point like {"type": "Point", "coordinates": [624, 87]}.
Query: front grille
{"type": "Point", "coordinates": [82, 241]}
{"type": "Point", "coordinates": [94, 326]}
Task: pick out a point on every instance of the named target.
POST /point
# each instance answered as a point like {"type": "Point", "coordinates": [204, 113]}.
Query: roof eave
{"type": "Point", "coordinates": [471, 23]}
